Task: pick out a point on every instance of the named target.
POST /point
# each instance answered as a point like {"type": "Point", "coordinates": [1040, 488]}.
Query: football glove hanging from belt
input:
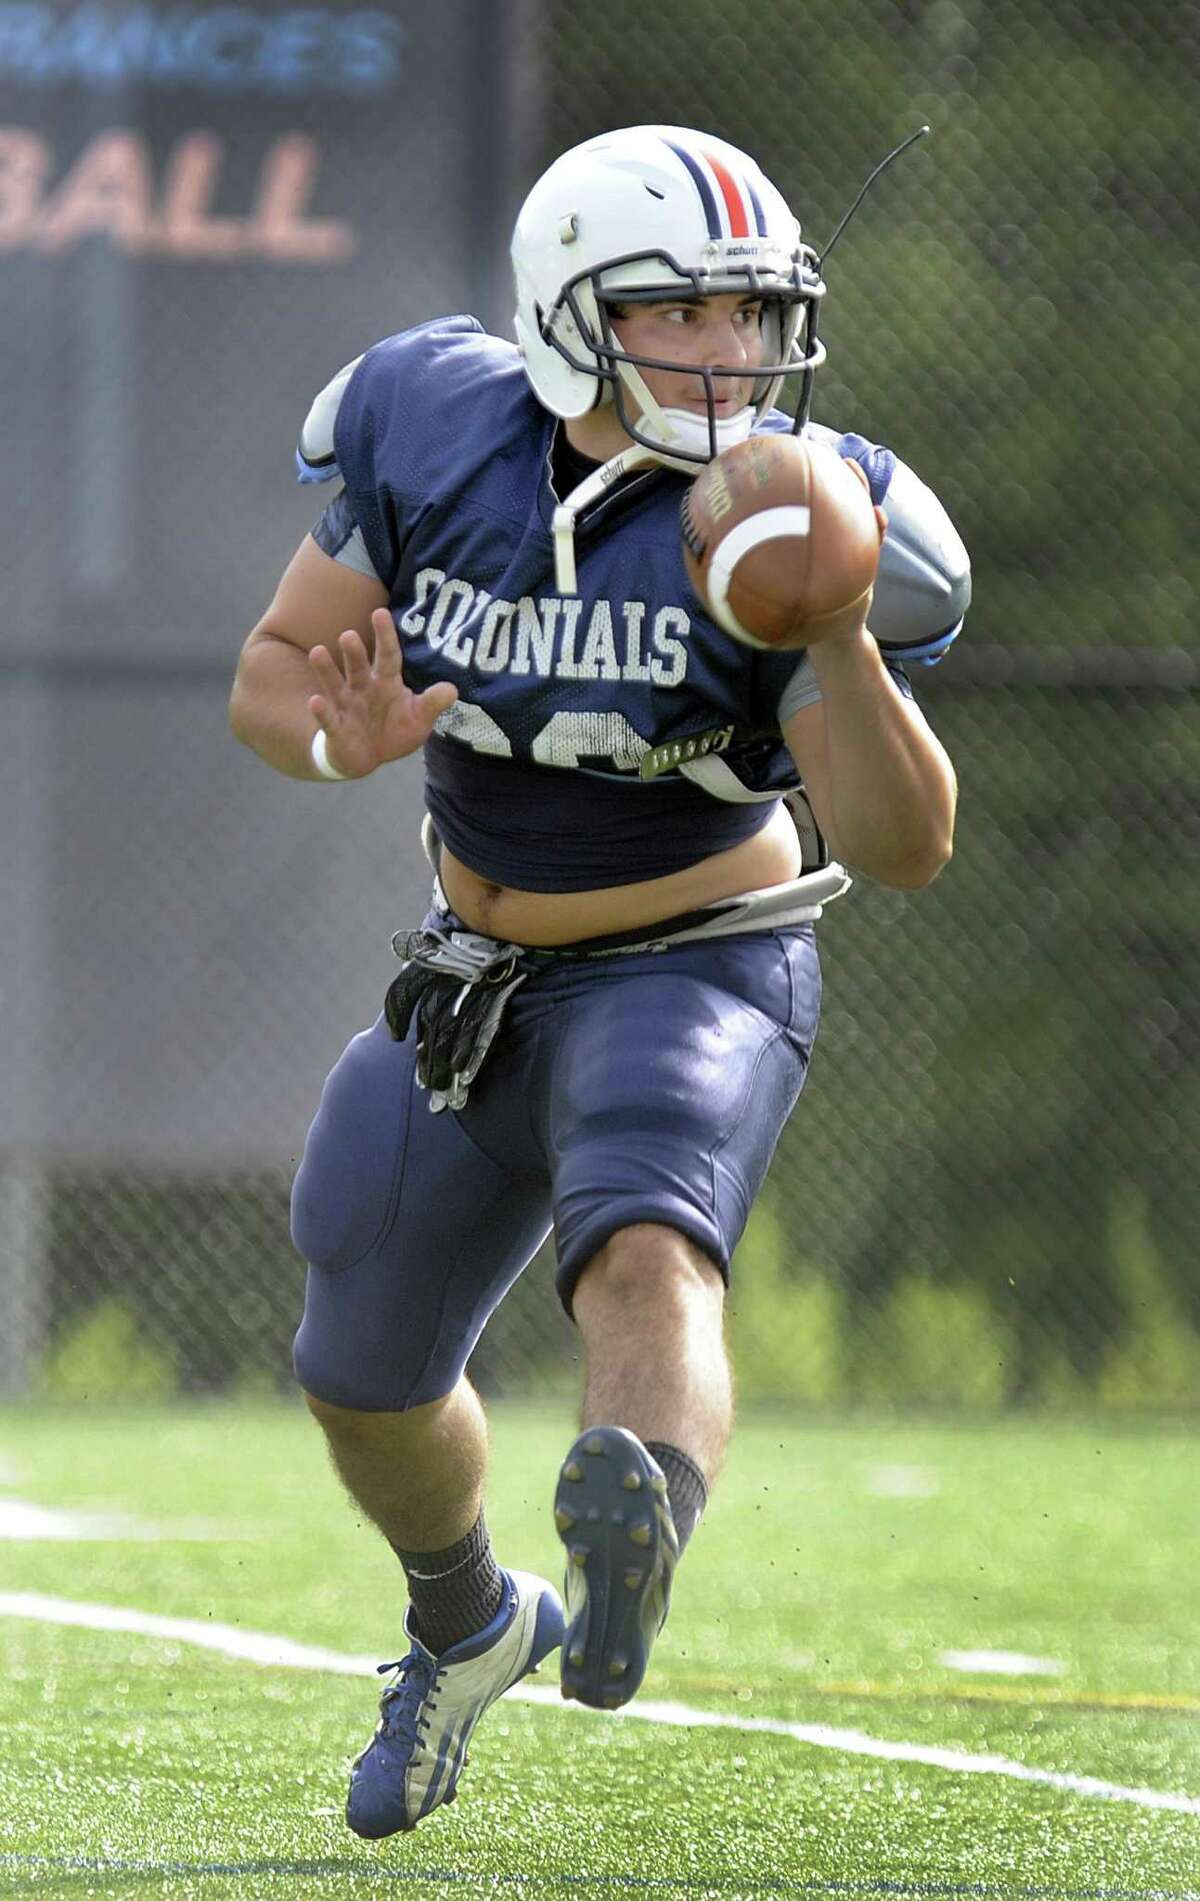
{"type": "Point", "coordinates": [457, 984]}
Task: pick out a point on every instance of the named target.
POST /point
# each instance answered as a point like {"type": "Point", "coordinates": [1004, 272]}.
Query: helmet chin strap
{"type": "Point", "coordinates": [590, 490]}
{"type": "Point", "coordinates": [678, 428]}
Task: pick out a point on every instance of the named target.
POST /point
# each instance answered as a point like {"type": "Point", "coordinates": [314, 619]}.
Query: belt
{"type": "Point", "coordinates": [458, 983]}
{"type": "Point", "coordinates": [773, 908]}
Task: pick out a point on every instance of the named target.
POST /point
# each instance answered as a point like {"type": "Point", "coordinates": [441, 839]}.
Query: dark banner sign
{"type": "Point", "coordinates": [113, 189]}
{"type": "Point", "coordinates": [297, 51]}
{"type": "Point", "coordinates": [205, 211]}
{"type": "Point", "coordinates": [163, 196]}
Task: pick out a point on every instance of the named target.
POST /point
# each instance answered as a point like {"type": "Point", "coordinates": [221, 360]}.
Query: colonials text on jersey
{"type": "Point", "coordinates": [550, 637]}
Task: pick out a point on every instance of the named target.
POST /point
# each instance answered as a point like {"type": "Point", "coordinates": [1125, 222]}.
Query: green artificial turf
{"type": "Point", "coordinates": [837, 1562]}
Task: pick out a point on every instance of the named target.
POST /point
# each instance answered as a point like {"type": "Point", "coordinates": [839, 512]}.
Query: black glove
{"type": "Point", "coordinates": [453, 1009]}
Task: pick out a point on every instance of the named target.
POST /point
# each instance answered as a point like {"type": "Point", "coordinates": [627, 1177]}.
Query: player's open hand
{"type": "Point", "coordinates": [363, 707]}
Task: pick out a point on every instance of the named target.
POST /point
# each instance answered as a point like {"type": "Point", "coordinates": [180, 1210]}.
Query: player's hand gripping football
{"type": "Point", "coordinates": [852, 619]}
{"type": "Point", "coordinates": [367, 713]}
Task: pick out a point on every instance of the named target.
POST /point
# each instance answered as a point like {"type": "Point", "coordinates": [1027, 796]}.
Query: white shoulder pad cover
{"type": "Point", "coordinates": [924, 582]}
{"type": "Point", "coordinates": [316, 437]}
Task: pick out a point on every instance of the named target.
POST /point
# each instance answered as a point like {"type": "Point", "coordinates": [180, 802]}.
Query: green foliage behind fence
{"type": "Point", "coordinates": [988, 1193]}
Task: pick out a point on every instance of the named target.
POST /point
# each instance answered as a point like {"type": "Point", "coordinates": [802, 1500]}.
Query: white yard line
{"type": "Point", "coordinates": [1002, 1663]}
{"type": "Point", "coordinates": [22, 1520]}
{"type": "Point", "coordinates": [247, 1646]}
{"type": "Point", "coordinates": [903, 1481]}
{"type": "Point", "coordinates": [283, 1653]}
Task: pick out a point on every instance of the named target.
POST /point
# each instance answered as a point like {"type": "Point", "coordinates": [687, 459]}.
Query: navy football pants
{"type": "Point", "coordinates": [646, 1087]}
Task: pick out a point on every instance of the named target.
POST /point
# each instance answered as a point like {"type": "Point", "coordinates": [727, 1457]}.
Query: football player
{"type": "Point", "coordinates": [633, 822]}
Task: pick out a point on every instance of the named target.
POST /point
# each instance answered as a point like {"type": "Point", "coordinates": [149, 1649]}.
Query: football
{"type": "Point", "coordinates": [779, 533]}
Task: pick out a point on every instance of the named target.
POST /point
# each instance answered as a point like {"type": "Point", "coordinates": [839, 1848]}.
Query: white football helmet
{"type": "Point", "coordinates": [651, 213]}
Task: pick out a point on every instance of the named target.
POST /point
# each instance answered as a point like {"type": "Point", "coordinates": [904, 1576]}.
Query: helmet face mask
{"type": "Point", "coordinates": [784, 314]}
{"type": "Point", "coordinates": [739, 238]}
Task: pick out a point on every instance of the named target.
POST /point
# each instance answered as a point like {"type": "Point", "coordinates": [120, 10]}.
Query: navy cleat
{"type": "Point", "coordinates": [413, 1762]}
{"type": "Point", "coordinates": [612, 1515]}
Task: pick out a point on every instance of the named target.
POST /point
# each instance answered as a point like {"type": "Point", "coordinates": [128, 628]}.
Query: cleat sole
{"type": "Point", "coordinates": [618, 1573]}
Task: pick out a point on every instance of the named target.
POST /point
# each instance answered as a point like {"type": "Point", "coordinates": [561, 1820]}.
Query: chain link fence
{"type": "Point", "coordinates": [988, 1192]}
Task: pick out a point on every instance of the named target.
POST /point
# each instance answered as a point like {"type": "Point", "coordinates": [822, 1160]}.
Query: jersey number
{"type": "Point", "coordinates": [567, 739]}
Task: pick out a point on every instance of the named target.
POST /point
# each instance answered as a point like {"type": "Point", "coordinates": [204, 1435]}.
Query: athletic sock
{"type": "Point", "coordinates": [452, 1593]}
{"type": "Point", "coordinates": [687, 1488]}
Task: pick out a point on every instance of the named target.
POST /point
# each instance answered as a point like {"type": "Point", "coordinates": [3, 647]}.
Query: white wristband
{"type": "Point", "coordinates": [320, 756]}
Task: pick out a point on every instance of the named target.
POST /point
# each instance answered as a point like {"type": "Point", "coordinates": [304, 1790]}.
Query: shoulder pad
{"type": "Point", "coordinates": [315, 458]}
{"type": "Point", "coordinates": [924, 584]}
{"type": "Point", "coordinates": [923, 588]}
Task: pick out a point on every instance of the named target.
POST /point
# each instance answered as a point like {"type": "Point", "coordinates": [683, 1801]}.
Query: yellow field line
{"type": "Point", "coordinates": [1166, 1703]}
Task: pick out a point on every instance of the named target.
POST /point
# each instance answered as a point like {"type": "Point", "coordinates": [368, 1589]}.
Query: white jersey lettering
{"type": "Point", "coordinates": [455, 601]}
{"type": "Point", "coordinates": [598, 660]}
{"type": "Point", "coordinates": [491, 648]}
{"type": "Point", "coordinates": [467, 627]}
{"type": "Point", "coordinates": [568, 666]}
{"type": "Point", "coordinates": [537, 627]}
{"type": "Point", "coordinates": [635, 667]}
{"type": "Point", "coordinates": [413, 622]}
{"type": "Point", "coordinates": [671, 667]}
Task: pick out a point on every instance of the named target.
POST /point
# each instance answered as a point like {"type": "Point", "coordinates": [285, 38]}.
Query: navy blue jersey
{"type": "Point", "coordinates": [571, 759]}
